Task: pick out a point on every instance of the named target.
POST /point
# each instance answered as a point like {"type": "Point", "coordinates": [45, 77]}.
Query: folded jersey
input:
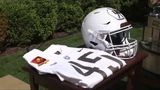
{"type": "Point", "coordinates": [81, 66]}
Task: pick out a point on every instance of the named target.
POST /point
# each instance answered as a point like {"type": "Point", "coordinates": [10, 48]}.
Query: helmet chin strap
{"type": "Point", "coordinates": [127, 52]}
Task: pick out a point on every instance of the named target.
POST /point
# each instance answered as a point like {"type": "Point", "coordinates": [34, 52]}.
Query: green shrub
{"type": "Point", "coordinates": [133, 10]}
{"type": "Point", "coordinates": [30, 21]}
{"type": "Point", "coordinates": [69, 16]}
{"type": "Point", "coordinates": [87, 5]}
{"type": "Point", "coordinates": [3, 31]}
{"type": "Point", "coordinates": [33, 21]}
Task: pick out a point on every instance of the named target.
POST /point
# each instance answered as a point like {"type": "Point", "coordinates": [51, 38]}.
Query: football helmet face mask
{"type": "Point", "coordinates": [107, 29]}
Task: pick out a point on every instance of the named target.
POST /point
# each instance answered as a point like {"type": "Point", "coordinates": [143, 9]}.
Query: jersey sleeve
{"type": "Point", "coordinates": [40, 60]}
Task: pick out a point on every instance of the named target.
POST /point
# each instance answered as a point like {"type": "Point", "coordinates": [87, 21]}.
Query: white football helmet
{"type": "Point", "coordinates": [107, 29]}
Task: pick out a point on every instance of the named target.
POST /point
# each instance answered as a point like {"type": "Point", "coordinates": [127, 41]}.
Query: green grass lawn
{"type": "Point", "coordinates": [12, 64]}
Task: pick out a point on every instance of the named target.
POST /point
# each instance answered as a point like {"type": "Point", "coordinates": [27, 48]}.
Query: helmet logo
{"type": "Point", "coordinates": [116, 14]}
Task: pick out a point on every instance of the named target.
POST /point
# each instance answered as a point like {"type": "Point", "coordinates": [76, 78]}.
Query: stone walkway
{"type": "Point", "coordinates": [9, 82]}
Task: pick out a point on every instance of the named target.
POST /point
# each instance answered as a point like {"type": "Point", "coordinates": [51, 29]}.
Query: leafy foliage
{"type": "Point", "coordinates": [30, 20]}
{"type": "Point", "coordinates": [87, 5]}
{"type": "Point", "coordinates": [33, 21]}
{"type": "Point", "coordinates": [3, 30]}
{"type": "Point", "coordinates": [133, 10]}
{"type": "Point", "coordinates": [69, 17]}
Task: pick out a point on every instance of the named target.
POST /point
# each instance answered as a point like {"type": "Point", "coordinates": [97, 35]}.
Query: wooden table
{"type": "Point", "coordinates": [131, 70]}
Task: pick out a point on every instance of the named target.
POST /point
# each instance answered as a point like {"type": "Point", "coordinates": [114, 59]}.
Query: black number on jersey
{"type": "Point", "coordinates": [84, 58]}
{"type": "Point", "coordinates": [90, 70]}
{"type": "Point", "coordinates": [113, 59]}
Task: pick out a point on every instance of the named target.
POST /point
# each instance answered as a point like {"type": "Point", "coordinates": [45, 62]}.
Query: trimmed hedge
{"type": "Point", "coordinates": [34, 21]}
{"type": "Point", "coordinates": [30, 21]}
{"type": "Point", "coordinates": [70, 16]}
{"type": "Point", "coordinates": [3, 31]}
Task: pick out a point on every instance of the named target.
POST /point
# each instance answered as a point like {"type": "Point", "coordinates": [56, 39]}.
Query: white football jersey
{"type": "Point", "coordinates": [80, 66]}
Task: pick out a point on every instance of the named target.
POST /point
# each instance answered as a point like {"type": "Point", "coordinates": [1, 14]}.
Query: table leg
{"type": "Point", "coordinates": [134, 77]}
{"type": "Point", "coordinates": [130, 85]}
{"type": "Point", "coordinates": [33, 85]}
